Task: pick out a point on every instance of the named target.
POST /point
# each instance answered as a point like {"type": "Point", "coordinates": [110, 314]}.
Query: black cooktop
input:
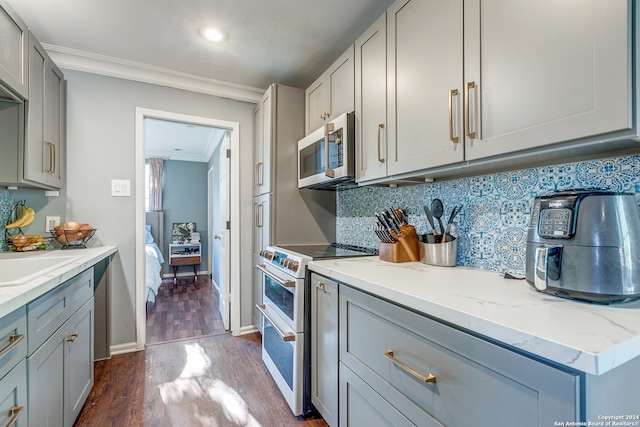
{"type": "Point", "coordinates": [334, 250]}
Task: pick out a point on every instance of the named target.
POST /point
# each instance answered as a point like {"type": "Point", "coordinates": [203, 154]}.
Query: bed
{"type": "Point", "coordinates": [153, 254]}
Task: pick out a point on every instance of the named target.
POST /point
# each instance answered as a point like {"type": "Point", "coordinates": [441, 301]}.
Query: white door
{"type": "Point", "coordinates": [222, 233]}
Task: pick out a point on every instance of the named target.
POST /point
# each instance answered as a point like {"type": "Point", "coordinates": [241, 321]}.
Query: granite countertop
{"type": "Point", "coordinates": [13, 297]}
{"type": "Point", "coordinates": [591, 338]}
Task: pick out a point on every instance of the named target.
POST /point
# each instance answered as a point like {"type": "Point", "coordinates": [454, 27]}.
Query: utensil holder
{"type": "Point", "coordinates": [441, 254]}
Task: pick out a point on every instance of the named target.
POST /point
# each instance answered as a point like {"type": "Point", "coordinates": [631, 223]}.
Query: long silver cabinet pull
{"type": "Point", "coordinates": [380, 127]}
{"type": "Point", "coordinates": [452, 93]}
{"type": "Point", "coordinates": [14, 413]}
{"type": "Point", "coordinates": [284, 335]}
{"type": "Point", "coordinates": [14, 339]}
{"type": "Point", "coordinates": [430, 378]}
{"type": "Point", "coordinates": [285, 283]}
{"type": "Point", "coordinates": [467, 113]}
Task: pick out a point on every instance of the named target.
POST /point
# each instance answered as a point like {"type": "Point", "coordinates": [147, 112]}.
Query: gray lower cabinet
{"type": "Point", "coordinates": [13, 373]}
{"type": "Point", "coordinates": [60, 361]}
{"type": "Point", "coordinates": [324, 347]}
{"type": "Point", "coordinates": [396, 360]}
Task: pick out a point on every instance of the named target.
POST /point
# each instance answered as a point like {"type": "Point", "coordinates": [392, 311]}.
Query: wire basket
{"type": "Point", "coordinates": [71, 239]}
{"type": "Point", "coordinates": [28, 242]}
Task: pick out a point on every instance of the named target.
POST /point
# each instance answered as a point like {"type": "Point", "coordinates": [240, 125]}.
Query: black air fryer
{"type": "Point", "coordinates": [585, 244]}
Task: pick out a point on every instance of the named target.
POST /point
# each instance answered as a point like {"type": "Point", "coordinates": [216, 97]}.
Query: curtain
{"type": "Point", "coordinates": [155, 185]}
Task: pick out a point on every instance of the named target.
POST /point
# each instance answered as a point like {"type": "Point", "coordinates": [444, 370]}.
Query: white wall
{"type": "Point", "coordinates": [101, 147]}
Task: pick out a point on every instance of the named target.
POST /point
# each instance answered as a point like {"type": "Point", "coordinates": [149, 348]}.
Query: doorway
{"type": "Point", "coordinates": [232, 177]}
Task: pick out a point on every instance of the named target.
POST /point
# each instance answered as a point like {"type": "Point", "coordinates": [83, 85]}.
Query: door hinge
{"type": "Point", "coordinates": [228, 225]}
{"type": "Point", "coordinates": [228, 153]}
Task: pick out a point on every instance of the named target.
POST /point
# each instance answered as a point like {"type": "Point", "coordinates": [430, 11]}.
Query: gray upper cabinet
{"type": "Point", "coordinates": [424, 70]}
{"type": "Point", "coordinates": [371, 104]}
{"type": "Point", "coordinates": [262, 146]}
{"type": "Point", "coordinates": [44, 141]}
{"type": "Point", "coordinates": [543, 72]}
{"type": "Point", "coordinates": [13, 55]}
{"type": "Point", "coordinates": [331, 94]}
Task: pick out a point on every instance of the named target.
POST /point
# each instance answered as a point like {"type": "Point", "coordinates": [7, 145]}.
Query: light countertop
{"type": "Point", "coordinates": [13, 297]}
{"type": "Point", "coordinates": [591, 338]}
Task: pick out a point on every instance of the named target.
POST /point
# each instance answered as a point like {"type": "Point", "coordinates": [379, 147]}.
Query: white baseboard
{"type": "Point", "coordinates": [129, 347]}
{"type": "Point", "coordinates": [249, 329]}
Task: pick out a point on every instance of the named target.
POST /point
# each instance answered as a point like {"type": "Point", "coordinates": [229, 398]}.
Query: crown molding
{"type": "Point", "coordinates": [87, 62]}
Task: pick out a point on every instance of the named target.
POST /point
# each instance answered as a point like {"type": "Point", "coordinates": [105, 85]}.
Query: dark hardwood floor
{"type": "Point", "coordinates": [212, 379]}
{"type": "Point", "coordinates": [186, 309]}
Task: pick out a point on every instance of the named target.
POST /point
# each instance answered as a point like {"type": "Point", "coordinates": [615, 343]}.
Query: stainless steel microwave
{"type": "Point", "coordinates": [326, 157]}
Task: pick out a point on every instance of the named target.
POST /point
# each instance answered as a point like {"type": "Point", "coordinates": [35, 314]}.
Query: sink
{"type": "Point", "coordinates": [17, 271]}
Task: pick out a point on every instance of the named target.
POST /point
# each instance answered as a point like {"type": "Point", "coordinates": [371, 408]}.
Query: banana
{"type": "Point", "coordinates": [27, 215]}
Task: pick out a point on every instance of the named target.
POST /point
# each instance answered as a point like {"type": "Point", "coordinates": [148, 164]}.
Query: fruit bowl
{"type": "Point", "coordinates": [72, 239]}
{"type": "Point", "coordinates": [28, 242]}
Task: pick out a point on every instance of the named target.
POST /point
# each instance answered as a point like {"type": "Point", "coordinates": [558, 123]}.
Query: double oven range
{"type": "Point", "coordinates": [286, 316]}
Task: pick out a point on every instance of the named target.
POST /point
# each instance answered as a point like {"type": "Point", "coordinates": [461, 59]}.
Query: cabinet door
{"type": "Point", "coordinates": [46, 382]}
{"type": "Point", "coordinates": [36, 151]}
{"type": "Point", "coordinates": [324, 347]}
{"type": "Point", "coordinates": [545, 72]}
{"type": "Point", "coordinates": [371, 102]}
{"type": "Point", "coordinates": [78, 361]}
{"type": "Point", "coordinates": [13, 55]}
{"type": "Point", "coordinates": [263, 143]}
{"type": "Point", "coordinates": [262, 223]}
{"type": "Point", "coordinates": [425, 65]}
{"type": "Point", "coordinates": [54, 119]}
{"type": "Point", "coordinates": [316, 105]}
{"type": "Point", "coordinates": [257, 292]}
{"type": "Point", "coordinates": [13, 397]}
{"type": "Point", "coordinates": [340, 82]}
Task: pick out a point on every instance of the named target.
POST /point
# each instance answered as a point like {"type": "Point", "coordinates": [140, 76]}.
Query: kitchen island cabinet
{"type": "Point", "coordinates": [331, 94]}
{"type": "Point", "coordinates": [552, 359]}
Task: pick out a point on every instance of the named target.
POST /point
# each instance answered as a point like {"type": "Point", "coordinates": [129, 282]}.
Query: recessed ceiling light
{"type": "Point", "coordinates": [213, 34]}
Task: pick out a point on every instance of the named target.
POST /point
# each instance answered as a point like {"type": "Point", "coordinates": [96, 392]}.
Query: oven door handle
{"type": "Point", "coordinates": [285, 283]}
{"type": "Point", "coordinates": [286, 336]}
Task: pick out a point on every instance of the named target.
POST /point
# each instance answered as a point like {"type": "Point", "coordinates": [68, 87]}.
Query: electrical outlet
{"type": "Point", "coordinates": [52, 222]}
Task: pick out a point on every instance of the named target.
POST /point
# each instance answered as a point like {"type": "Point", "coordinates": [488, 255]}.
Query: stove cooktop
{"type": "Point", "coordinates": [334, 250]}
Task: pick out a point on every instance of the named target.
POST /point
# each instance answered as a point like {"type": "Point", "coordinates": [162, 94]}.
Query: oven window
{"type": "Point", "coordinates": [280, 352]}
{"type": "Point", "coordinates": [279, 295]}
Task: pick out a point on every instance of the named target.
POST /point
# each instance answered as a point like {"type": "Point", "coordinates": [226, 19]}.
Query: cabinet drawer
{"type": "Point", "coordinates": [360, 405]}
{"type": "Point", "coordinates": [13, 343]}
{"type": "Point", "coordinates": [474, 379]}
{"type": "Point", "coordinates": [47, 313]}
{"type": "Point", "coordinates": [187, 260]}
{"type": "Point", "coordinates": [13, 396]}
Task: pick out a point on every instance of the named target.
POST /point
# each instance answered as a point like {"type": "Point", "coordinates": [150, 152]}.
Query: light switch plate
{"type": "Point", "coordinates": [120, 188]}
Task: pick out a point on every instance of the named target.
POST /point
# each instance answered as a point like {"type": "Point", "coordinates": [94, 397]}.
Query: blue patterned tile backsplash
{"type": "Point", "coordinates": [492, 224]}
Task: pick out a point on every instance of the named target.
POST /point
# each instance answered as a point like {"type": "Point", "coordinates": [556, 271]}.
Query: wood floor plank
{"type": "Point", "coordinates": [207, 381]}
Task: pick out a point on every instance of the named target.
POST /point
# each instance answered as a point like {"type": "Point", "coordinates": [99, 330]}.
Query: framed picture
{"type": "Point", "coordinates": [181, 231]}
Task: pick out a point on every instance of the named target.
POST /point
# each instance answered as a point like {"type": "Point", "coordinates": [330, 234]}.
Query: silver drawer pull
{"type": "Point", "coordinates": [14, 339]}
{"type": "Point", "coordinates": [285, 283]}
{"type": "Point", "coordinates": [14, 413]}
{"type": "Point", "coordinates": [284, 335]}
{"type": "Point", "coordinates": [427, 379]}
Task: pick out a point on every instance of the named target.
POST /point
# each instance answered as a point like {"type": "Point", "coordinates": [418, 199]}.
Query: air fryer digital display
{"type": "Point", "coordinates": [555, 223]}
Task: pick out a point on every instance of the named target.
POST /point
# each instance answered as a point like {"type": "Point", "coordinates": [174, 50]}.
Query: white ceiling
{"type": "Point", "coordinates": [268, 41]}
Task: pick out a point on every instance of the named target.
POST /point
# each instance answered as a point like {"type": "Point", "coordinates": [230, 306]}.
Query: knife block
{"type": "Point", "coordinates": [406, 249]}
{"type": "Point", "coordinates": [392, 252]}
